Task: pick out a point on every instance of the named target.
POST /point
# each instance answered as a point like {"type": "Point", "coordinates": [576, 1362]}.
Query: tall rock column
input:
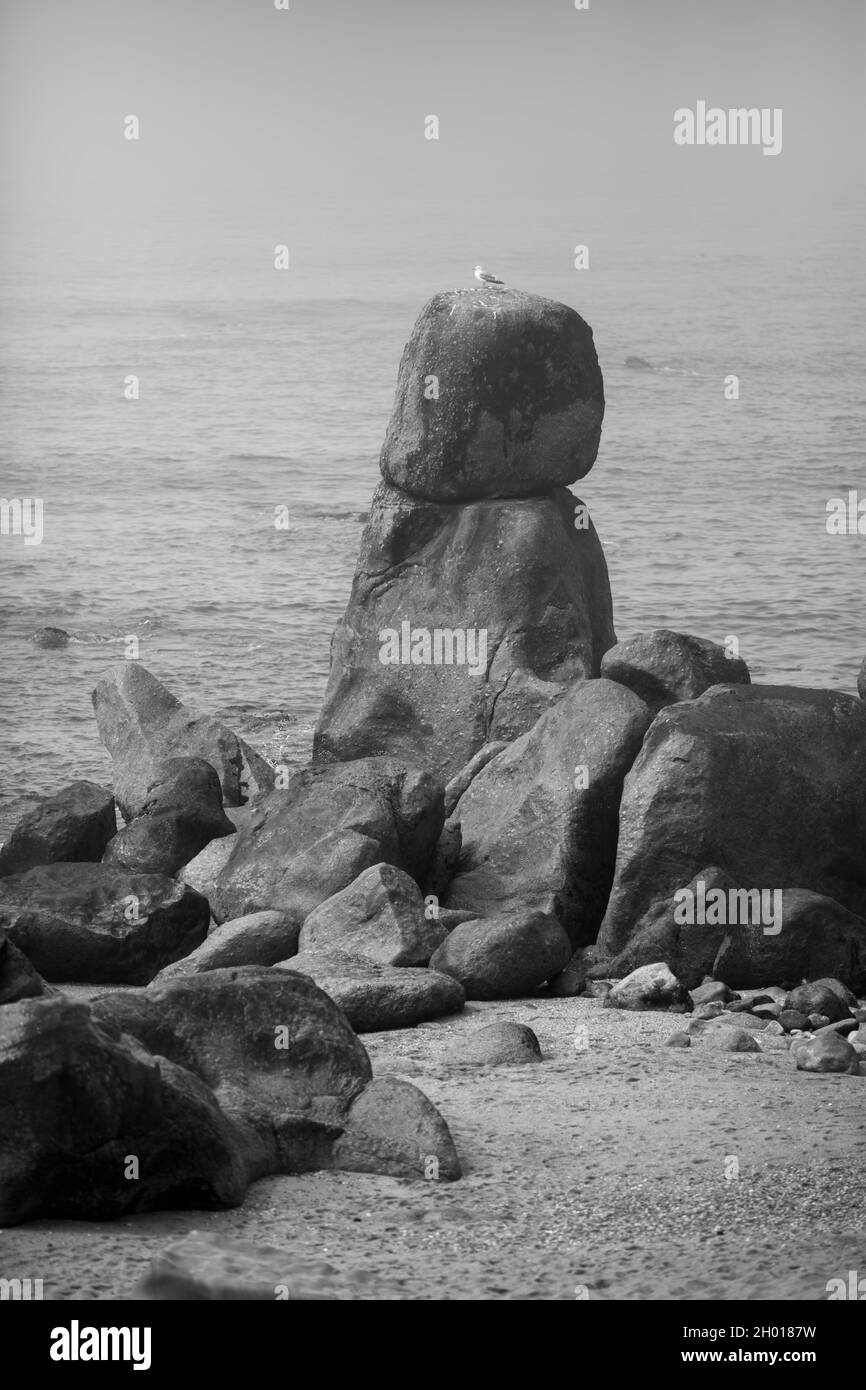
{"type": "Point", "coordinates": [481, 591]}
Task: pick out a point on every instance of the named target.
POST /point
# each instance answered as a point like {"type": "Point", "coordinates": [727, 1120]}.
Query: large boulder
{"type": "Point", "coordinates": [100, 924]}
{"type": "Point", "coordinates": [497, 396]}
{"type": "Point", "coordinates": [377, 997]}
{"type": "Point", "coordinates": [142, 724]}
{"type": "Point", "coordinates": [826, 1052]}
{"type": "Point", "coordinates": [261, 938]}
{"type": "Point", "coordinates": [393, 1128]}
{"type": "Point", "coordinates": [505, 956]}
{"type": "Point", "coordinates": [182, 814]}
{"type": "Point", "coordinates": [278, 1054]}
{"type": "Point", "coordinates": [768, 783]}
{"type": "Point", "coordinates": [18, 979]}
{"type": "Point", "coordinates": [464, 624]}
{"type": "Point", "coordinates": [817, 935]}
{"type": "Point", "coordinates": [306, 842]}
{"type": "Point", "coordinates": [74, 825]}
{"type": "Point", "coordinates": [663, 667]}
{"type": "Point", "coordinates": [539, 822]}
{"type": "Point", "coordinates": [78, 1103]}
{"type": "Point", "coordinates": [380, 915]}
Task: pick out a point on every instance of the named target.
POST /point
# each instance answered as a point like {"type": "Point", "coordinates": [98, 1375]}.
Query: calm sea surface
{"type": "Point", "coordinates": [258, 391]}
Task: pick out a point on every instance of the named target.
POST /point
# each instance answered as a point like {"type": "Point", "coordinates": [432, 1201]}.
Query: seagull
{"type": "Point", "coordinates": [483, 278]}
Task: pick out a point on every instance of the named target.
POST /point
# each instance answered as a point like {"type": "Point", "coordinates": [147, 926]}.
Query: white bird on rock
{"type": "Point", "coordinates": [483, 278]}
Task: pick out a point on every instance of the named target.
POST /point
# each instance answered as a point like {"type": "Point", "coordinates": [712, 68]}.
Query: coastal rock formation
{"type": "Point", "coordinates": [504, 956]}
{"type": "Point", "coordinates": [649, 987]}
{"type": "Point", "coordinates": [50, 637]}
{"type": "Point", "coordinates": [861, 681]}
{"type": "Point", "coordinates": [464, 624]}
{"type": "Point", "coordinates": [380, 915]}
{"type": "Point", "coordinates": [481, 590]}
{"type": "Point", "coordinates": [18, 979]}
{"type": "Point", "coordinates": [76, 1101]}
{"type": "Point", "coordinates": [306, 842]}
{"type": "Point", "coordinates": [663, 667]}
{"type": "Point", "coordinates": [376, 997]}
{"type": "Point", "coordinates": [99, 923]}
{"type": "Point", "coordinates": [817, 935]}
{"type": "Point", "coordinates": [74, 825]}
{"type": "Point", "coordinates": [142, 724]}
{"type": "Point", "coordinates": [182, 813]}
{"type": "Point", "coordinates": [260, 938]}
{"type": "Point", "coordinates": [494, 400]}
{"type": "Point", "coordinates": [767, 782]}
{"type": "Point", "coordinates": [539, 822]}
{"type": "Point", "coordinates": [278, 1055]}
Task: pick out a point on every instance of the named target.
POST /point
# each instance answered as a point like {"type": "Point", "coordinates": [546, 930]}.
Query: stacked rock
{"type": "Point", "coordinates": [481, 591]}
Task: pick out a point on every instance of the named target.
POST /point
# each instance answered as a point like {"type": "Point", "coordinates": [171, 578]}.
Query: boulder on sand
{"type": "Point", "coordinates": [499, 1044]}
{"type": "Point", "coordinates": [100, 924]}
{"type": "Point", "coordinates": [276, 1051]}
{"type": "Point", "coordinates": [817, 935]}
{"type": "Point", "coordinates": [539, 822]}
{"type": "Point", "coordinates": [205, 1266]}
{"type": "Point", "coordinates": [464, 624]}
{"type": "Point", "coordinates": [393, 1128]}
{"type": "Point", "coordinates": [826, 1052]}
{"type": "Point", "coordinates": [377, 997]}
{"type": "Point", "coordinates": [141, 724]}
{"type": "Point", "coordinates": [306, 842]}
{"type": "Point", "coordinates": [817, 998]}
{"type": "Point", "coordinates": [74, 825]}
{"type": "Point", "coordinates": [769, 782]}
{"type": "Point", "coordinates": [182, 814]}
{"type": "Point", "coordinates": [504, 956]}
{"type": "Point", "coordinates": [76, 1102]}
{"type": "Point", "coordinates": [380, 915]}
{"type": "Point", "coordinates": [517, 405]}
{"type": "Point", "coordinates": [663, 667]}
{"type": "Point", "coordinates": [650, 987]}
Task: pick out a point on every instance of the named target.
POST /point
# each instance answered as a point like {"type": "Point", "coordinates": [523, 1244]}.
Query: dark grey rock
{"type": "Point", "coordinates": [182, 813]}
{"type": "Point", "coordinates": [74, 825]}
{"type": "Point", "coordinates": [663, 667]}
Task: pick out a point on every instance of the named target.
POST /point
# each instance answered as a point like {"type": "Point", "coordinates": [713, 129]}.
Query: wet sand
{"type": "Point", "coordinates": [599, 1173]}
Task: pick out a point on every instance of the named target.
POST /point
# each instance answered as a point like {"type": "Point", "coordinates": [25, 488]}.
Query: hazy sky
{"type": "Point", "coordinates": [311, 121]}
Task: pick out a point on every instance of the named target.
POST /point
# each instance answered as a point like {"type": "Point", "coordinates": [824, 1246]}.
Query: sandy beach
{"type": "Point", "coordinates": [599, 1173]}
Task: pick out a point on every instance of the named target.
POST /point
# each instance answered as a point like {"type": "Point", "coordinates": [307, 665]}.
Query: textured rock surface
{"type": "Point", "coordinates": [519, 403]}
{"type": "Point", "coordinates": [499, 1044]}
{"type": "Point", "coordinates": [380, 915]}
{"type": "Point", "coordinates": [826, 1052]}
{"type": "Point", "coordinates": [817, 935]}
{"type": "Point", "coordinates": [375, 997]}
{"type": "Point", "coordinates": [519, 572]}
{"type": "Point", "coordinates": [663, 667]}
{"type": "Point", "coordinates": [861, 681]}
{"type": "Point", "coordinates": [99, 923]}
{"type": "Point", "coordinates": [182, 813]}
{"type": "Point", "coordinates": [767, 782]}
{"type": "Point", "coordinates": [261, 938]}
{"type": "Point", "coordinates": [533, 835]}
{"type": "Point", "coordinates": [18, 979]}
{"type": "Point", "coordinates": [141, 724]}
{"type": "Point", "coordinates": [649, 987]}
{"type": "Point", "coordinates": [393, 1128]}
{"type": "Point", "coordinates": [278, 1054]}
{"type": "Point", "coordinates": [76, 1102]}
{"type": "Point", "coordinates": [304, 843]}
{"type": "Point", "coordinates": [504, 956]}
{"type": "Point", "coordinates": [74, 825]}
